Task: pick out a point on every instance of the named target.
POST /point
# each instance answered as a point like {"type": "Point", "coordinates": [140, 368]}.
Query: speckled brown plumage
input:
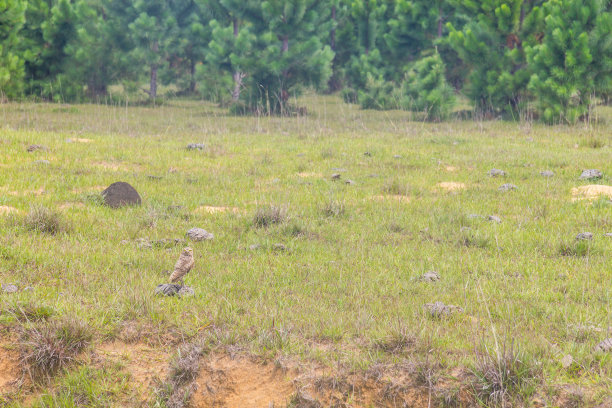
{"type": "Point", "coordinates": [183, 265]}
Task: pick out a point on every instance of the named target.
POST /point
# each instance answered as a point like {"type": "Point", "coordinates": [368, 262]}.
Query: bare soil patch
{"type": "Point", "coordinates": [241, 383]}
{"type": "Point", "coordinates": [9, 369]}
{"type": "Point", "coordinates": [450, 186]}
{"type": "Point", "coordinates": [591, 192]}
{"type": "Point", "coordinates": [7, 210]}
{"type": "Point", "coordinates": [305, 174]}
{"type": "Point", "coordinates": [146, 365]}
{"type": "Point", "coordinates": [208, 209]}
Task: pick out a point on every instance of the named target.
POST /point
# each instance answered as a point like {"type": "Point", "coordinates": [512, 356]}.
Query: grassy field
{"type": "Point", "coordinates": [311, 292]}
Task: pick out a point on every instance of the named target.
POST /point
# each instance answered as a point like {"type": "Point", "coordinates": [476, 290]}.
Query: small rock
{"type": "Point", "coordinates": [584, 236]}
{"type": "Point", "coordinates": [170, 289]}
{"type": "Point", "coordinates": [9, 288]}
{"type": "Point", "coordinates": [567, 361]}
{"type": "Point", "coordinates": [28, 289]}
{"type": "Point", "coordinates": [608, 234]}
{"type": "Point", "coordinates": [605, 346]}
{"type": "Point", "coordinates": [496, 173]}
{"type": "Point", "coordinates": [199, 234]}
{"type": "Point", "coordinates": [42, 162]}
{"type": "Point", "coordinates": [144, 243]}
{"type": "Point", "coordinates": [547, 173]}
{"type": "Point", "coordinates": [120, 194]}
{"type": "Point", "coordinates": [397, 156]}
{"type": "Point", "coordinates": [254, 247]}
{"type": "Point", "coordinates": [507, 187]}
{"type": "Point", "coordinates": [279, 247]}
{"type": "Point", "coordinates": [367, 154]}
{"type": "Point", "coordinates": [36, 147]}
{"type": "Point", "coordinates": [430, 276]}
{"type": "Point", "coordinates": [349, 181]}
{"type": "Point", "coordinates": [591, 174]}
{"type": "Point", "coordinates": [124, 242]}
{"type": "Point", "coordinates": [336, 176]}
{"type": "Point", "coordinates": [472, 216]}
{"type": "Point", "coordinates": [196, 146]}
{"type": "Point", "coordinates": [494, 218]}
{"type": "Point", "coordinates": [439, 309]}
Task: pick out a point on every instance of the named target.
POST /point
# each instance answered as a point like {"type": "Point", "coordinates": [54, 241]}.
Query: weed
{"type": "Point", "coordinates": [31, 312]}
{"type": "Point", "coordinates": [333, 208]}
{"type": "Point", "coordinates": [176, 391]}
{"type": "Point", "coordinates": [574, 248]}
{"type": "Point", "coordinates": [394, 187]}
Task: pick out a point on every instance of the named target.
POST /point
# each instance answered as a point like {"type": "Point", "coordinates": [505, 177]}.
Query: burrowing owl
{"type": "Point", "coordinates": [183, 266]}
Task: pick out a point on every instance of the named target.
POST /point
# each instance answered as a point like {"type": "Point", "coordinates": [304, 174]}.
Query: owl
{"type": "Point", "coordinates": [183, 266]}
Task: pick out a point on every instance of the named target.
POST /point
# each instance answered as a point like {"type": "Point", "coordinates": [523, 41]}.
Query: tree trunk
{"type": "Point", "coordinates": [238, 76]}
{"type": "Point", "coordinates": [235, 23]}
{"type": "Point", "coordinates": [285, 47]}
{"type": "Point", "coordinates": [192, 82]}
{"type": "Point", "coordinates": [153, 82]}
{"type": "Point", "coordinates": [333, 31]}
{"type": "Point", "coordinates": [440, 20]}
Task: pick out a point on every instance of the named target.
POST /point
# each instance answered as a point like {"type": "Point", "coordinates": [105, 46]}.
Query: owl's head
{"type": "Point", "coordinates": [187, 251]}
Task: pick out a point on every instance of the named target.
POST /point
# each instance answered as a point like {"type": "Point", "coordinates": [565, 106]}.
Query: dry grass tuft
{"type": "Point", "coordinates": [46, 349]}
{"type": "Point", "coordinates": [42, 219]}
{"type": "Point", "coordinates": [269, 215]}
{"type": "Point", "coordinates": [176, 391]}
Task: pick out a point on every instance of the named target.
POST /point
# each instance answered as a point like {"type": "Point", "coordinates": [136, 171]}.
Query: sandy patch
{"type": "Point", "coordinates": [591, 192]}
{"type": "Point", "coordinates": [9, 370]}
{"type": "Point", "coordinates": [306, 174]}
{"type": "Point", "coordinates": [451, 169]}
{"type": "Point", "coordinates": [450, 186]}
{"type": "Point", "coordinates": [145, 365]}
{"type": "Point", "coordinates": [208, 209]}
{"type": "Point", "coordinates": [80, 140]}
{"type": "Point", "coordinates": [6, 210]}
{"type": "Point", "coordinates": [37, 192]}
{"type": "Point", "coordinates": [241, 383]}
{"type": "Point", "coordinates": [392, 197]}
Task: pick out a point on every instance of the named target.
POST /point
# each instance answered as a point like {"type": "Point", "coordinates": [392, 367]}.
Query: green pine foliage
{"type": "Point", "coordinates": [574, 60]}
{"type": "Point", "coordinates": [377, 94]}
{"type": "Point", "coordinates": [12, 18]}
{"type": "Point", "coordinates": [425, 89]}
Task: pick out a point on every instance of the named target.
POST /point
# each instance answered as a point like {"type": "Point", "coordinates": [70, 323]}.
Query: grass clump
{"type": "Point", "coordinates": [269, 215]}
{"type": "Point", "coordinates": [30, 312]}
{"type": "Point", "coordinates": [333, 208]}
{"type": "Point", "coordinates": [394, 187]}
{"type": "Point", "coordinates": [176, 391]}
{"type": "Point", "coordinates": [53, 346]}
{"type": "Point", "coordinates": [576, 248]}
{"type": "Point", "coordinates": [504, 376]}
{"type": "Point", "coordinates": [45, 220]}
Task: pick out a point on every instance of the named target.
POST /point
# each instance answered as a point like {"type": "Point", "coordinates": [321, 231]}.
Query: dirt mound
{"type": "Point", "coordinates": [241, 383]}
{"type": "Point", "coordinates": [145, 365]}
{"type": "Point", "coordinates": [9, 369]}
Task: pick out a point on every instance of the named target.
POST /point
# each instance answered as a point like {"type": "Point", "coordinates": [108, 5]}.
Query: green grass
{"type": "Point", "coordinates": [349, 276]}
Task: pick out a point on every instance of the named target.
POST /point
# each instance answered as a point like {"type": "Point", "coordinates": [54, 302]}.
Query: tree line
{"type": "Point", "coordinates": [551, 57]}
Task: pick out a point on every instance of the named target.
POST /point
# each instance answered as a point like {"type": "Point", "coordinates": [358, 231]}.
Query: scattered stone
{"type": "Point", "coordinates": [494, 218]}
{"type": "Point", "coordinates": [279, 247]}
{"type": "Point", "coordinates": [199, 234]}
{"type": "Point", "coordinates": [144, 243]}
{"type": "Point", "coordinates": [430, 276]}
{"type": "Point", "coordinates": [336, 176]}
{"type": "Point", "coordinates": [9, 288]}
{"type": "Point", "coordinates": [567, 361]}
{"type": "Point", "coordinates": [397, 156]}
{"type": "Point", "coordinates": [42, 162]}
{"type": "Point", "coordinates": [608, 234]}
{"type": "Point", "coordinates": [496, 173]}
{"type": "Point", "coordinates": [254, 247]}
{"type": "Point", "coordinates": [196, 146]}
{"type": "Point", "coordinates": [547, 173]}
{"type": "Point", "coordinates": [152, 177]}
{"type": "Point", "coordinates": [36, 147]}
{"type": "Point", "coordinates": [170, 289]}
{"type": "Point", "coordinates": [472, 216]}
{"type": "Point", "coordinates": [367, 154]}
{"type": "Point", "coordinates": [584, 236]}
{"type": "Point", "coordinates": [507, 187]}
{"type": "Point", "coordinates": [28, 289]}
{"type": "Point", "coordinates": [349, 182]}
{"type": "Point", "coordinates": [591, 174]}
{"type": "Point", "coordinates": [605, 346]}
{"type": "Point", "coordinates": [120, 194]}
{"type": "Point", "coordinates": [439, 309]}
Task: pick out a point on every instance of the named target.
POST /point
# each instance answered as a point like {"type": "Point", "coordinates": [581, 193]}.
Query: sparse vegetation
{"type": "Point", "coordinates": [42, 219]}
{"type": "Point", "coordinates": [266, 216]}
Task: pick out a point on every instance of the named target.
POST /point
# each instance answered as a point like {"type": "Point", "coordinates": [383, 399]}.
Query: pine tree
{"type": "Point", "coordinates": [425, 88]}
{"type": "Point", "coordinates": [154, 32]}
{"type": "Point", "coordinates": [574, 59]}
{"type": "Point", "coordinates": [12, 18]}
{"type": "Point", "coordinates": [492, 44]}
